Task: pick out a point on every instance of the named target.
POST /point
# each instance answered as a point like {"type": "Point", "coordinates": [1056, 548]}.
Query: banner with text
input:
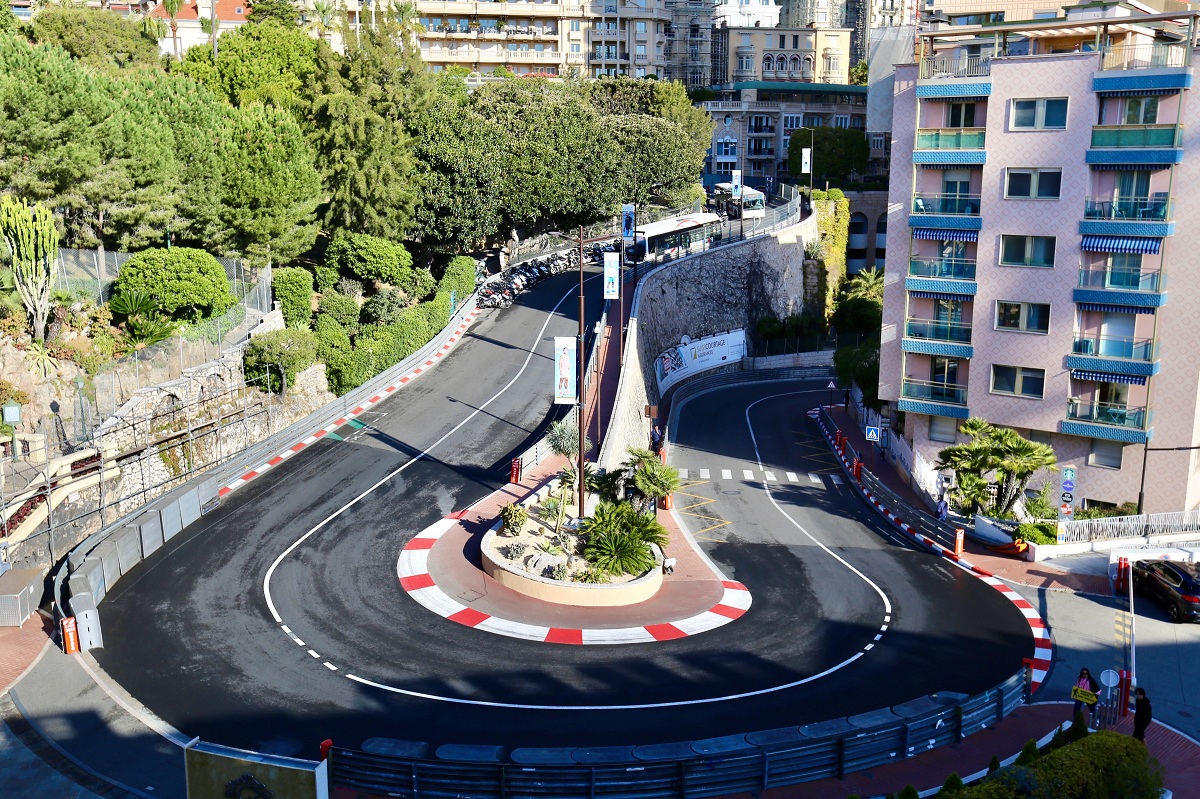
{"type": "Point", "coordinates": [692, 357]}
{"type": "Point", "coordinates": [628, 226]}
{"type": "Point", "coordinates": [611, 276]}
{"type": "Point", "coordinates": [564, 370]}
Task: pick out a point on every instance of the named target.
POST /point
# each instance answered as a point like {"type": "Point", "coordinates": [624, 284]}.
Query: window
{"type": "Point", "coordinates": [1141, 110]}
{"type": "Point", "coordinates": [841, 121]}
{"type": "Point", "coordinates": [1030, 317]}
{"type": "Point", "coordinates": [813, 121]}
{"type": "Point", "coordinates": [1045, 15]}
{"type": "Point", "coordinates": [1106, 453]}
{"type": "Point", "coordinates": [746, 40]}
{"type": "Point", "coordinates": [977, 19]}
{"type": "Point", "coordinates": [782, 41]}
{"type": "Point", "coordinates": [822, 16]}
{"type": "Point", "coordinates": [1033, 184]}
{"type": "Point", "coordinates": [1027, 250]}
{"type": "Point", "coordinates": [641, 27]}
{"type": "Point", "coordinates": [575, 25]}
{"type": "Point", "coordinates": [574, 48]}
{"type": "Point", "coordinates": [640, 50]}
{"type": "Point", "coordinates": [746, 63]}
{"type": "Point", "coordinates": [1039, 436]}
{"type": "Point", "coordinates": [641, 72]}
{"type": "Point", "coordinates": [792, 122]}
{"type": "Point", "coordinates": [727, 148]}
{"type": "Point", "coordinates": [878, 141]}
{"type": "Point", "coordinates": [1018, 380]}
{"type": "Point", "coordinates": [1041, 114]}
{"type": "Point", "coordinates": [724, 167]}
{"type": "Point", "coordinates": [960, 115]}
{"type": "Point", "coordinates": [942, 428]}
{"type": "Point", "coordinates": [796, 42]}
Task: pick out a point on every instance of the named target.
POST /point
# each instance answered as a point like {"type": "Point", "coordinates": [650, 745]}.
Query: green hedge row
{"type": "Point", "coordinates": [293, 288]}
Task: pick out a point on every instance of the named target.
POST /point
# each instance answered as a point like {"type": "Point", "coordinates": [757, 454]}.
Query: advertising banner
{"type": "Point", "coordinates": [564, 370]}
{"type": "Point", "coordinates": [692, 357]}
{"type": "Point", "coordinates": [735, 182]}
{"type": "Point", "coordinates": [627, 224]}
{"type": "Point", "coordinates": [612, 276]}
{"type": "Point", "coordinates": [806, 161]}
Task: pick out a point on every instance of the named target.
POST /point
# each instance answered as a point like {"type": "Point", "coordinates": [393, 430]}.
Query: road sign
{"type": "Point", "coordinates": [831, 384]}
{"type": "Point", "coordinates": [872, 433]}
{"type": "Point", "coordinates": [1066, 510]}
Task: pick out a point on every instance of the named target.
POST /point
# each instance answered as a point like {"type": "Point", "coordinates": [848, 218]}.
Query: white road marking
{"type": "Point", "coordinates": [791, 476]}
{"type": "Point", "coordinates": [330, 666]}
{"type": "Point", "coordinates": [770, 476]}
{"type": "Point", "coordinates": [314, 654]}
{"type": "Point", "coordinates": [704, 474]}
{"type": "Point", "coordinates": [837, 479]}
{"type": "Point", "coordinates": [726, 474]}
{"type": "Point", "coordinates": [683, 474]}
{"type": "Point", "coordinates": [298, 641]}
{"type": "Point", "coordinates": [747, 474]}
{"type": "Point", "coordinates": [387, 478]}
{"type": "Point", "coordinates": [814, 478]}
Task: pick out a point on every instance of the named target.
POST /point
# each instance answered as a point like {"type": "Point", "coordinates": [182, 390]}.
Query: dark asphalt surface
{"type": "Point", "coordinates": [191, 636]}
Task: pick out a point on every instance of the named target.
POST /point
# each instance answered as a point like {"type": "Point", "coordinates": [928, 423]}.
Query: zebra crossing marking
{"type": "Point", "coordinates": [770, 476]}
{"type": "Point", "coordinates": [683, 474]}
{"type": "Point", "coordinates": [814, 478]}
{"type": "Point", "coordinates": [704, 474]}
{"type": "Point", "coordinates": [791, 476]}
{"type": "Point", "coordinates": [726, 474]}
{"type": "Point", "coordinates": [747, 474]}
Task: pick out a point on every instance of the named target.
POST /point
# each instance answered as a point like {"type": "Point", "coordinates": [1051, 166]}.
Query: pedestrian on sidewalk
{"type": "Point", "coordinates": [943, 509]}
{"type": "Point", "coordinates": [1084, 682]}
{"type": "Point", "coordinates": [846, 399]}
{"type": "Point", "coordinates": [1141, 713]}
{"type": "Point", "coordinates": [656, 440]}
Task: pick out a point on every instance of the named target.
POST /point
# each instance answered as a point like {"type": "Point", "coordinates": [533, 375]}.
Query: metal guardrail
{"type": "Point", "coordinates": [757, 761]}
{"type": "Point", "coordinates": [943, 533]}
{"type": "Point", "coordinates": [1113, 528]}
{"type": "Point", "coordinates": [701, 383]}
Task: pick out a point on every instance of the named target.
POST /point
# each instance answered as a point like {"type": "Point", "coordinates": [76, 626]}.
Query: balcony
{"type": "Point", "coordinates": [761, 130]}
{"type": "Point", "coordinates": [955, 66]}
{"type": "Point", "coordinates": [1156, 208]}
{"type": "Point", "coordinates": [933, 399]}
{"type": "Point", "coordinates": [1132, 287]}
{"type": "Point", "coordinates": [942, 268]}
{"type": "Point", "coordinates": [937, 330]}
{"type": "Point", "coordinates": [950, 139]}
{"type": "Point", "coordinates": [1123, 355]}
{"type": "Point", "coordinates": [761, 153]}
{"type": "Point", "coordinates": [1145, 56]}
{"type": "Point", "coordinates": [1140, 136]}
{"type": "Point", "coordinates": [946, 204]}
{"type": "Point", "coordinates": [1108, 421]}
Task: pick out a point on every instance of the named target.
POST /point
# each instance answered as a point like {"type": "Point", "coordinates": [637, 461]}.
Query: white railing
{"type": "Point", "coordinates": [1113, 528]}
{"type": "Point", "coordinates": [925, 475]}
{"type": "Point", "coordinates": [900, 450]}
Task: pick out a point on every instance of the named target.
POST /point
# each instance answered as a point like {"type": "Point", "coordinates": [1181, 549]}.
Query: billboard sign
{"type": "Point", "coordinates": [612, 286]}
{"type": "Point", "coordinates": [627, 224]}
{"type": "Point", "coordinates": [735, 182]}
{"type": "Point", "coordinates": [564, 370]}
{"type": "Point", "coordinates": [692, 357]}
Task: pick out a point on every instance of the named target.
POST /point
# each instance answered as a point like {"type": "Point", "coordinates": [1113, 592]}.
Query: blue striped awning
{"type": "Point", "coordinates": [940, 295]}
{"type": "Point", "coordinates": [1123, 244]}
{"type": "Point", "coordinates": [1136, 92]}
{"type": "Point", "coordinates": [940, 234]}
{"type": "Point", "coordinates": [1166, 161]}
{"type": "Point", "coordinates": [1106, 308]}
{"type": "Point", "coordinates": [1108, 377]}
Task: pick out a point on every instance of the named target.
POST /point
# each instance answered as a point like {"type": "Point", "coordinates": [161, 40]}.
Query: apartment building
{"type": "Point", "coordinates": [859, 16]}
{"type": "Point", "coordinates": [1038, 269]}
{"type": "Point", "coordinates": [772, 82]}
{"type": "Point", "coordinates": [655, 38]}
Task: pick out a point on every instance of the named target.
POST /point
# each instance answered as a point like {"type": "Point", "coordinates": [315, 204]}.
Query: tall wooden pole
{"type": "Point", "coordinates": [579, 375]}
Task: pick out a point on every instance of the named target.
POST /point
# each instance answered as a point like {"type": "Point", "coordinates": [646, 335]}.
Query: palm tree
{"type": "Point", "coordinates": [155, 28]}
{"type": "Point", "coordinates": [324, 15]}
{"type": "Point", "coordinates": [973, 491]}
{"type": "Point", "coordinates": [172, 8]}
{"type": "Point", "coordinates": [976, 428]}
{"type": "Point", "coordinates": [655, 480]}
{"type": "Point", "coordinates": [408, 20]}
{"type": "Point", "coordinates": [1020, 459]}
{"type": "Point", "coordinates": [867, 285]}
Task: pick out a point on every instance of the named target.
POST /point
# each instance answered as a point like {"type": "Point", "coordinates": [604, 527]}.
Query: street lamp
{"type": "Point", "coordinates": [12, 418]}
{"type": "Point", "coordinates": [1146, 450]}
{"type": "Point", "coordinates": [81, 422]}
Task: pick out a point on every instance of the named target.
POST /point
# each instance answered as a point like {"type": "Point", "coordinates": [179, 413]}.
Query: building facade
{"type": "Point", "coordinates": [1037, 263]}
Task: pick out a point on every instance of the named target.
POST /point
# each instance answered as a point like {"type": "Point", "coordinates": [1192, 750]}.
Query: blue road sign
{"type": "Point", "coordinates": [1068, 485]}
{"type": "Point", "coordinates": [872, 434]}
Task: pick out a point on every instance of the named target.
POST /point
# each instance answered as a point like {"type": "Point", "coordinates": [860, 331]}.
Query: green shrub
{"type": "Point", "coordinates": [346, 370]}
{"type": "Point", "coordinates": [185, 283]}
{"type": "Point", "coordinates": [769, 328]}
{"type": "Point", "coordinates": [411, 332]}
{"type": "Point", "coordinates": [591, 575]}
{"type": "Point", "coordinates": [350, 287]}
{"type": "Point", "coordinates": [286, 351]}
{"type": "Point", "coordinates": [325, 277]}
{"type": "Point", "coordinates": [416, 283]}
{"type": "Point", "coordinates": [343, 309]}
{"type": "Point", "coordinates": [331, 337]}
{"type": "Point", "coordinates": [558, 572]}
{"type": "Point", "coordinates": [437, 312]}
{"type": "Point", "coordinates": [1124, 509]}
{"type": "Point", "coordinates": [952, 786]}
{"type": "Point", "coordinates": [1104, 765]}
{"type": "Point", "coordinates": [293, 288]}
{"type": "Point", "coordinates": [385, 307]}
{"type": "Point", "coordinates": [989, 790]}
{"type": "Point", "coordinates": [1038, 533]}
{"type": "Point", "coordinates": [515, 550]}
{"type": "Point", "coordinates": [909, 792]}
{"type": "Point", "coordinates": [1029, 753]}
{"type": "Point", "coordinates": [618, 552]}
{"type": "Point", "coordinates": [459, 277]}
{"type": "Point", "coordinates": [513, 517]}
{"type": "Point", "coordinates": [994, 763]}
{"type": "Point", "coordinates": [370, 257]}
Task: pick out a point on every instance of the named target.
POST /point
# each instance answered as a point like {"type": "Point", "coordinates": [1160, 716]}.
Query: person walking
{"type": "Point", "coordinates": [1084, 682]}
{"type": "Point", "coordinates": [943, 509]}
{"type": "Point", "coordinates": [1141, 713]}
{"type": "Point", "coordinates": [656, 440]}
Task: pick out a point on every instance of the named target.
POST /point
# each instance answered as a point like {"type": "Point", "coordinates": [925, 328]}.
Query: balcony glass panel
{"type": "Point", "coordinates": [952, 204]}
{"type": "Point", "coordinates": [1156, 208]}
{"type": "Point", "coordinates": [1121, 279]}
{"type": "Point", "coordinates": [1128, 348]}
{"type": "Point", "coordinates": [950, 139]}
{"type": "Point", "coordinates": [1144, 56]}
{"type": "Point", "coordinates": [948, 393]}
{"type": "Point", "coordinates": [1108, 413]}
{"type": "Point", "coordinates": [1135, 136]}
{"type": "Point", "coordinates": [956, 66]}
{"type": "Point", "coordinates": [938, 331]}
{"type": "Point", "coordinates": [946, 268]}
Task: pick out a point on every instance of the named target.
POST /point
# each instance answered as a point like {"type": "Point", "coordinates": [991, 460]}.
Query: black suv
{"type": "Point", "coordinates": [1174, 584]}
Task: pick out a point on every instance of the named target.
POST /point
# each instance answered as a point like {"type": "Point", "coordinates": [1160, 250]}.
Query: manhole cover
{"type": "Point", "coordinates": [469, 596]}
{"type": "Point", "coordinates": [731, 492]}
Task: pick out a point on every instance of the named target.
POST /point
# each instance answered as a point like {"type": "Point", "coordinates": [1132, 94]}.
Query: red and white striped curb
{"type": "Point", "coordinates": [413, 570]}
{"type": "Point", "coordinates": [375, 400]}
{"type": "Point", "coordinates": [1043, 645]}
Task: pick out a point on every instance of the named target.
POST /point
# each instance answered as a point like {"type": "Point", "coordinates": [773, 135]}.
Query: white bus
{"type": "Point", "coordinates": [677, 236]}
{"type": "Point", "coordinates": [753, 204]}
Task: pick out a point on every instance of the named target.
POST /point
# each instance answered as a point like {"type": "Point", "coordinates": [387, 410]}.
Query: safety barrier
{"type": "Point", "coordinates": [754, 761]}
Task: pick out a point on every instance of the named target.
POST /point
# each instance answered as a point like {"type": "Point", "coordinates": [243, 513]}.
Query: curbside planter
{"type": "Point", "coordinates": [580, 594]}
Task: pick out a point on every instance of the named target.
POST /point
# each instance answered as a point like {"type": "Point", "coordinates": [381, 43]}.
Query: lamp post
{"type": "Point", "coordinates": [12, 418]}
{"type": "Point", "coordinates": [81, 425]}
{"type": "Point", "coordinates": [1146, 450]}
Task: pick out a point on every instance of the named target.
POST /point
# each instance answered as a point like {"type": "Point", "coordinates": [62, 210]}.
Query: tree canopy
{"type": "Point", "coordinates": [836, 153]}
{"type": "Point", "coordinates": [96, 37]}
{"type": "Point", "coordinates": [185, 283]}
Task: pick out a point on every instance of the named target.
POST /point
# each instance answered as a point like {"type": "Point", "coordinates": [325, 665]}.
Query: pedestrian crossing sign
{"type": "Point", "coordinates": [872, 434]}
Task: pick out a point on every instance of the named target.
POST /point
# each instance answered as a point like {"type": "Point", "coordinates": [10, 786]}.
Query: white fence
{"type": "Point", "coordinates": [1113, 528]}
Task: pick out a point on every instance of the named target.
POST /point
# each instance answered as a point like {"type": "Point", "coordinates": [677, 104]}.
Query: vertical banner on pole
{"type": "Point", "coordinates": [806, 161]}
{"type": "Point", "coordinates": [1066, 497]}
{"type": "Point", "coordinates": [564, 370]}
{"type": "Point", "coordinates": [628, 225]}
{"type": "Point", "coordinates": [736, 184]}
{"type": "Point", "coordinates": [611, 285]}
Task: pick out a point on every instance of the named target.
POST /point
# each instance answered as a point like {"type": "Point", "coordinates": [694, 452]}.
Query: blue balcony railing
{"type": "Point", "coordinates": [948, 393]}
{"type": "Point", "coordinates": [944, 268]}
{"type": "Point", "coordinates": [1136, 418]}
{"type": "Point", "coordinates": [1122, 279]}
{"type": "Point", "coordinates": [1137, 136]}
{"type": "Point", "coordinates": [934, 330]}
{"type": "Point", "coordinates": [952, 204]}
{"type": "Point", "coordinates": [1127, 348]}
{"type": "Point", "coordinates": [1156, 208]}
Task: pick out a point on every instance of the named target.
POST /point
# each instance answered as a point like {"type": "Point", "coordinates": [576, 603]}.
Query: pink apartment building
{"type": "Point", "coordinates": [1048, 276]}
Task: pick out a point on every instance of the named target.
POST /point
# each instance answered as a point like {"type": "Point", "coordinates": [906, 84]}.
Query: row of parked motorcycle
{"type": "Point", "coordinates": [499, 291]}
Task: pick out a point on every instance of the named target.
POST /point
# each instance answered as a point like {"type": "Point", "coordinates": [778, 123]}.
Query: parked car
{"type": "Point", "coordinates": [1175, 585]}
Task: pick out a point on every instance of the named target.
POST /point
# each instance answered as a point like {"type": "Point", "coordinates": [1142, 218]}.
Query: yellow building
{"type": "Point", "coordinates": [811, 55]}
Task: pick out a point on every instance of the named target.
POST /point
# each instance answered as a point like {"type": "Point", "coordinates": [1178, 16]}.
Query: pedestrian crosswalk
{"type": "Point", "coordinates": [758, 475]}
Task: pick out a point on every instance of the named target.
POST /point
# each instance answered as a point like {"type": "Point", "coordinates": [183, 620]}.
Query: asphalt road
{"type": "Point", "coordinates": [192, 633]}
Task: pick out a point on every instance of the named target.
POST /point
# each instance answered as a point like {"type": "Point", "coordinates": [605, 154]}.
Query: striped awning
{"type": "Point", "coordinates": [941, 234]}
{"type": "Point", "coordinates": [940, 295]}
{"type": "Point", "coordinates": [1166, 161]}
{"type": "Point", "coordinates": [1123, 244]}
{"type": "Point", "coordinates": [1108, 377]}
{"type": "Point", "coordinates": [1106, 308]}
{"type": "Point", "coordinates": [1136, 92]}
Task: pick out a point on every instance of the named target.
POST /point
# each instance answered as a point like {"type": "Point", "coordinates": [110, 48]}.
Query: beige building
{"type": "Point", "coordinates": [809, 55]}
{"type": "Point", "coordinates": [659, 38]}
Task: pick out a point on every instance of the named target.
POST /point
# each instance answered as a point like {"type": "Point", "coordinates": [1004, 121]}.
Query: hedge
{"type": "Point", "coordinates": [384, 308]}
{"type": "Point", "coordinates": [459, 277]}
{"type": "Point", "coordinates": [1038, 533]}
{"type": "Point", "coordinates": [293, 288]}
{"type": "Point", "coordinates": [370, 257]}
{"type": "Point", "coordinates": [342, 308]}
{"type": "Point", "coordinates": [325, 277]}
{"type": "Point", "coordinates": [185, 283]}
{"type": "Point", "coordinates": [331, 336]}
{"type": "Point", "coordinates": [833, 221]}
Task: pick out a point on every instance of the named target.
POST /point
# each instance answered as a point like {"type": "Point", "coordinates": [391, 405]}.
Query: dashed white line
{"type": "Point", "coordinates": [726, 474]}
{"type": "Point", "coordinates": [704, 474]}
{"type": "Point", "coordinates": [298, 641]}
{"type": "Point", "coordinates": [314, 654]}
{"type": "Point", "coordinates": [837, 480]}
{"type": "Point", "coordinates": [287, 629]}
{"type": "Point", "coordinates": [747, 474]}
{"type": "Point", "coordinates": [791, 476]}
{"type": "Point", "coordinates": [683, 474]}
{"type": "Point", "coordinates": [812, 478]}
{"type": "Point", "coordinates": [330, 666]}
